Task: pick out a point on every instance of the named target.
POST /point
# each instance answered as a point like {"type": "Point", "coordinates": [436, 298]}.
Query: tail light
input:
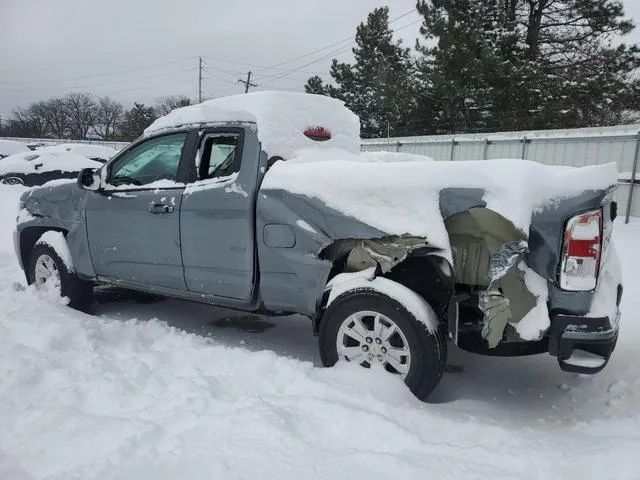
{"type": "Point", "coordinates": [581, 252]}
{"type": "Point", "coordinates": [319, 134]}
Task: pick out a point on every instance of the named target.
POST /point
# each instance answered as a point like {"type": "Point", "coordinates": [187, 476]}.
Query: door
{"type": "Point", "coordinates": [218, 216]}
{"type": "Point", "coordinates": [133, 224]}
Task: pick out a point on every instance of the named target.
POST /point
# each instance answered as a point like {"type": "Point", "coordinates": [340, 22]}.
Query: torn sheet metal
{"type": "Point", "coordinates": [507, 300]}
{"type": "Point", "coordinates": [487, 249]}
{"type": "Point", "coordinates": [366, 253]}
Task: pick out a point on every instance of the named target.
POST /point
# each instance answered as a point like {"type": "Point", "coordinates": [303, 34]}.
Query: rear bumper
{"type": "Point", "coordinates": [583, 344]}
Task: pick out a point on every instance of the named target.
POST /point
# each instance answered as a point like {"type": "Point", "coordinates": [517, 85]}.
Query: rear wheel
{"type": "Point", "coordinates": [369, 328]}
{"type": "Point", "coordinates": [49, 273]}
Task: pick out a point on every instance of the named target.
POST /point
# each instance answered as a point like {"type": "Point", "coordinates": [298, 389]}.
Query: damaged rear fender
{"type": "Point", "coordinates": [303, 244]}
{"type": "Point", "coordinates": [406, 260]}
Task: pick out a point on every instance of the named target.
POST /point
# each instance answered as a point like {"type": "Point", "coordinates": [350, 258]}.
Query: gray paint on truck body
{"type": "Point", "coordinates": [247, 252]}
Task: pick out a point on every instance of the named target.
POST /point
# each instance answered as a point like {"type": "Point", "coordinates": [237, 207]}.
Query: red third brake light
{"type": "Point", "coordinates": [581, 252]}
{"type": "Point", "coordinates": [319, 134]}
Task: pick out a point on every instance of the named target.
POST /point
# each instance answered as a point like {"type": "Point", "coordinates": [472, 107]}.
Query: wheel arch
{"type": "Point", "coordinates": [419, 268]}
{"type": "Point", "coordinates": [28, 238]}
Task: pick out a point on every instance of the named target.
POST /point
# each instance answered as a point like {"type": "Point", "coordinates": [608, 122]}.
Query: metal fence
{"type": "Point", "coordinates": [576, 147]}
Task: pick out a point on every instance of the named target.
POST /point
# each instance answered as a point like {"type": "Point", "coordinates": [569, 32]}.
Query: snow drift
{"type": "Point", "coordinates": [11, 147]}
{"type": "Point", "coordinates": [32, 162]}
{"type": "Point", "coordinates": [95, 152]}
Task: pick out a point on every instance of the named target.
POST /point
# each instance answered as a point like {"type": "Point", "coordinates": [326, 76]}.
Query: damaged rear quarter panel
{"type": "Point", "coordinates": [292, 278]}
{"type": "Point", "coordinates": [59, 207]}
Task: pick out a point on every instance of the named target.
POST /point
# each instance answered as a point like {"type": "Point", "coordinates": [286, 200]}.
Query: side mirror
{"type": "Point", "coordinates": [89, 179]}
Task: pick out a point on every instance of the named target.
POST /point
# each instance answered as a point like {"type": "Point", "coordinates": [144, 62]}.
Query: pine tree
{"type": "Point", "coordinates": [315, 85]}
{"type": "Point", "coordinates": [518, 64]}
{"type": "Point", "coordinates": [378, 86]}
{"type": "Point", "coordinates": [135, 121]}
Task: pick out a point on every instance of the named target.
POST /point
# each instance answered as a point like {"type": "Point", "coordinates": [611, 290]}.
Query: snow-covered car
{"type": "Point", "coordinates": [11, 147]}
{"type": "Point", "coordinates": [37, 167]}
{"type": "Point", "coordinates": [99, 153]}
{"type": "Point", "coordinates": [264, 203]}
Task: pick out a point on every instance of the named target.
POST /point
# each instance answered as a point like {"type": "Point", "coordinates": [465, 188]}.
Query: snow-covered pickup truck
{"type": "Point", "coordinates": [264, 203]}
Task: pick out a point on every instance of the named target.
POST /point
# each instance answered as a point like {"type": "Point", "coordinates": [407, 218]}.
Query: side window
{"type": "Point", "coordinates": [153, 160]}
{"type": "Point", "coordinates": [220, 157]}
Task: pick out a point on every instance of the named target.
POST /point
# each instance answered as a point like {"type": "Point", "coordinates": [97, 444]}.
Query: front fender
{"type": "Point", "coordinates": [57, 207]}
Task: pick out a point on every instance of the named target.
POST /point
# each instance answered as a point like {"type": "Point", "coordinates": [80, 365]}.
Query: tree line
{"type": "Point", "coordinates": [491, 65]}
{"type": "Point", "coordinates": [80, 116]}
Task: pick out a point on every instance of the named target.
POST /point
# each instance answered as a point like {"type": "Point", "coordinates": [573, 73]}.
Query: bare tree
{"type": "Point", "coordinates": [83, 113]}
{"type": "Point", "coordinates": [28, 122]}
{"type": "Point", "coordinates": [109, 117]}
{"type": "Point", "coordinates": [164, 105]}
{"type": "Point", "coordinates": [56, 115]}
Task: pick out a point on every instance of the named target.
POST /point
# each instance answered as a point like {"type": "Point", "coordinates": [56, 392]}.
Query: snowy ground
{"type": "Point", "coordinates": [171, 390]}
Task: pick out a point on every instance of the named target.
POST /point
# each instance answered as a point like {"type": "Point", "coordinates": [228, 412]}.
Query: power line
{"type": "Point", "coordinates": [97, 75]}
{"type": "Point", "coordinates": [189, 80]}
{"type": "Point", "coordinates": [250, 65]}
{"type": "Point", "coordinates": [278, 66]}
{"type": "Point", "coordinates": [347, 39]}
{"type": "Point", "coordinates": [330, 54]}
{"type": "Point", "coordinates": [218, 79]}
{"type": "Point", "coordinates": [222, 70]}
{"type": "Point", "coordinates": [80, 87]}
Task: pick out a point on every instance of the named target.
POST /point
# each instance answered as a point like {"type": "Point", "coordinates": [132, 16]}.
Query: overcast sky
{"type": "Point", "coordinates": [138, 50]}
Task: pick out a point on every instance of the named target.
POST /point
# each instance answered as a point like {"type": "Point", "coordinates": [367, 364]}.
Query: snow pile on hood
{"type": "Point", "coordinates": [403, 197]}
{"type": "Point", "coordinates": [281, 118]}
{"type": "Point", "coordinates": [11, 147]}
{"type": "Point", "coordinates": [33, 162]}
{"type": "Point", "coordinates": [86, 150]}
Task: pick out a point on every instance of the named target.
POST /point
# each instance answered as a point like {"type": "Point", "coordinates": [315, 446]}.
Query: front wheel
{"type": "Point", "coordinates": [48, 272]}
{"type": "Point", "coordinates": [369, 328]}
{"type": "Point", "coordinates": [12, 181]}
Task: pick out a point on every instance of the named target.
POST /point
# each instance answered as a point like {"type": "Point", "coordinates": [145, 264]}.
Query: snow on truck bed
{"type": "Point", "coordinates": [402, 196]}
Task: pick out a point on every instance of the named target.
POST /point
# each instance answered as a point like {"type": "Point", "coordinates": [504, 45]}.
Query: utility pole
{"type": "Point", "coordinates": [247, 83]}
{"type": "Point", "coordinates": [199, 79]}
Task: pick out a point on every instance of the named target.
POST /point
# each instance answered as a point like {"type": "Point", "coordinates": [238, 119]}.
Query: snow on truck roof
{"type": "Point", "coordinates": [281, 119]}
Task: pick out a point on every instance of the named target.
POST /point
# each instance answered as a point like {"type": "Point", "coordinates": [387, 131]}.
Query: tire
{"type": "Point", "coordinates": [427, 351]}
{"type": "Point", "coordinates": [79, 293]}
{"type": "Point", "coordinates": [12, 181]}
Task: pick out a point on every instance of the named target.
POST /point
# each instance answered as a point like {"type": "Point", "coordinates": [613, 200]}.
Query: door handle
{"type": "Point", "coordinates": [160, 208]}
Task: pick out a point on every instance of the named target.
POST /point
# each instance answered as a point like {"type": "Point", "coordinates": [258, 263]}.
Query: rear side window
{"type": "Point", "coordinates": [219, 157]}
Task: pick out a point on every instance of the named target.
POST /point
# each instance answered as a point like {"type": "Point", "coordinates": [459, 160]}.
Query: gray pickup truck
{"type": "Point", "coordinates": [197, 209]}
